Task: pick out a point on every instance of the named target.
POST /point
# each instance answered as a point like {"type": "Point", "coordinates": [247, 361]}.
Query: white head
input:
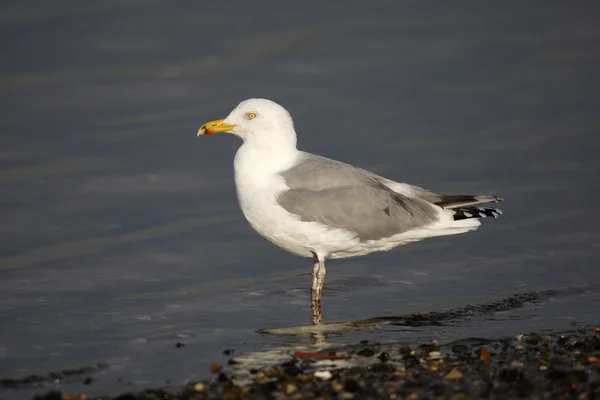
{"type": "Point", "coordinates": [259, 122]}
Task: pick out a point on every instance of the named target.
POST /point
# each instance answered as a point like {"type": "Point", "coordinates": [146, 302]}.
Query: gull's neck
{"type": "Point", "coordinates": [251, 159]}
{"type": "Point", "coordinates": [256, 171]}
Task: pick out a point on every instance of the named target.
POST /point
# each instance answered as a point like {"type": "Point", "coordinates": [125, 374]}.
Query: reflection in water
{"type": "Point", "coordinates": [419, 319]}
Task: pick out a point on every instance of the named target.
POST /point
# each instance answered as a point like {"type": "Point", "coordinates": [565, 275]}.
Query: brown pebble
{"type": "Point", "coordinates": [301, 378]}
{"type": "Point", "coordinates": [433, 368]}
{"type": "Point", "coordinates": [597, 329]}
{"type": "Point", "coordinates": [234, 393]}
{"type": "Point", "coordinates": [592, 359]}
{"type": "Point", "coordinates": [69, 396]}
{"type": "Point", "coordinates": [260, 375]}
{"type": "Point", "coordinates": [413, 396]}
{"type": "Point", "coordinates": [519, 348]}
{"type": "Point", "coordinates": [484, 354]}
{"type": "Point", "coordinates": [290, 389]}
{"type": "Point", "coordinates": [336, 386]}
{"type": "Point", "coordinates": [215, 368]}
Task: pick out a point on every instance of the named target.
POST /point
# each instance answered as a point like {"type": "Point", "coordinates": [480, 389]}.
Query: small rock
{"type": "Point", "coordinates": [69, 396]}
{"type": "Point", "coordinates": [400, 373]}
{"type": "Point", "coordinates": [484, 354]}
{"type": "Point", "coordinates": [435, 355]}
{"type": "Point", "coordinates": [454, 374]}
{"type": "Point", "coordinates": [290, 389]}
{"type": "Point", "coordinates": [336, 386]}
{"type": "Point", "coordinates": [365, 353]}
{"type": "Point", "coordinates": [533, 339]}
{"type": "Point", "coordinates": [198, 387]}
{"type": "Point", "coordinates": [215, 368]}
{"type": "Point", "coordinates": [291, 369]}
{"type": "Point", "coordinates": [325, 375]}
{"type": "Point", "coordinates": [428, 348]}
{"type": "Point", "coordinates": [460, 349]}
{"type": "Point", "coordinates": [301, 378]}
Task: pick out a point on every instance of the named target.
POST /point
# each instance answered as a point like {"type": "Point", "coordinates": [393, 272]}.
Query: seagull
{"type": "Point", "coordinates": [320, 208]}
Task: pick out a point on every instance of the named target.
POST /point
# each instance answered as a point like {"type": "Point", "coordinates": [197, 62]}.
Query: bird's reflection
{"type": "Point", "coordinates": [319, 329]}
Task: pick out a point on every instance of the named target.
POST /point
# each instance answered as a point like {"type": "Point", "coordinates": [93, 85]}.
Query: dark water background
{"type": "Point", "coordinates": [120, 234]}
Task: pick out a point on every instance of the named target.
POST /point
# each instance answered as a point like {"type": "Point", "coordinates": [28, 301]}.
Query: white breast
{"type": "Point", "coordinates": [258, 184]}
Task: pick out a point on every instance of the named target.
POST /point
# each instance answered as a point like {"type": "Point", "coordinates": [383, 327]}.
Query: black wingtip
{"type": "Point", "coordinates": [476, 212]}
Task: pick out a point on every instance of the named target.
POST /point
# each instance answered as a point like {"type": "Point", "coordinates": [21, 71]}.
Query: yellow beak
{"type": "Point", "coordinates": [212, 127]}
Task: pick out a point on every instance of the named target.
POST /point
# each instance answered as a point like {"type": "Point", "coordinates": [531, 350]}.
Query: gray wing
{"type": "Point", "coordinates": [339, 195]}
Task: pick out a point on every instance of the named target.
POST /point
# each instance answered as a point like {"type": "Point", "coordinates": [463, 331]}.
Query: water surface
{"type": "Point", "coordinates": [120, 234]}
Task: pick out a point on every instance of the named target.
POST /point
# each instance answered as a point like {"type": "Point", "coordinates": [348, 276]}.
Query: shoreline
{"type": "Point", "coordinates": [556, 365]}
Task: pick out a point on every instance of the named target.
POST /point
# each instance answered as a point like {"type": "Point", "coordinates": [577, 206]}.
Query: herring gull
{"type": "Point", "coordinates": [320, 208]}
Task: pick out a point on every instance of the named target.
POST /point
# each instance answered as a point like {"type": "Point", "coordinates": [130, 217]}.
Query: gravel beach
{"type": "Point", "coordinates": [549, 366]}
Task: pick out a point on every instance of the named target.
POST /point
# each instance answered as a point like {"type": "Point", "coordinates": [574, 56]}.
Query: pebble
{"type": "Point", "coordinates": [290, 389]}
{"type": "Point", "coordinates": [484, 354]}
{"type": "Point", "coordinates": [454, 374]}
{"type": "Point", "coordinates": [336, 386]}
{"type": "Point", "coordinates": [325, 375]}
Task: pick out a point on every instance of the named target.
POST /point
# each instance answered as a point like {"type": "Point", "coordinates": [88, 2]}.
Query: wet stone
{"type": "Point", "coordinates": [291, 369]}
{"type": "Point", "coordinates": [460, 349]}
{"type": "Point", "coordinates": [365, 353]}
{"type": "Point", "coordinates": [405, 350]}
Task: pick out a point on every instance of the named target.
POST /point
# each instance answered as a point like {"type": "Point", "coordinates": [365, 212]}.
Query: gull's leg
{"type": "Point", "coordinates": [315, 274]}
{"type": "Point", "coordinates": [318, 276]}
{"type": "Point", "coordinates": [321, 277]}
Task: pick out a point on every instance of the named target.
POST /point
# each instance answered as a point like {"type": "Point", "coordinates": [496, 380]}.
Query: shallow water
{"type": "Point", "coordinates": [120, 234]}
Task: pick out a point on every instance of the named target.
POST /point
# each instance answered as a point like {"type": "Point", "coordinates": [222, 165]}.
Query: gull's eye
{"type": "Point", "coordinates": [250, 115]}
